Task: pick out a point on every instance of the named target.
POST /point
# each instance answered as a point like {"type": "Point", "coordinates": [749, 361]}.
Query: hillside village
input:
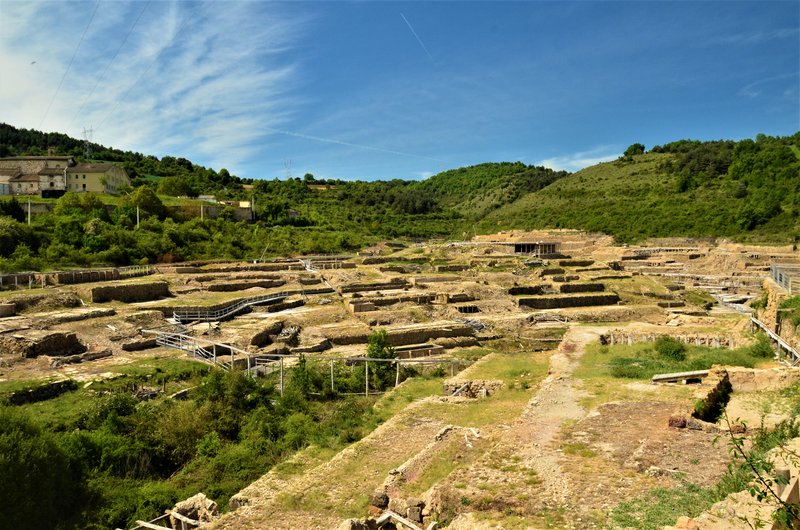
{"type": "Point", "coordinates": [53, 176]}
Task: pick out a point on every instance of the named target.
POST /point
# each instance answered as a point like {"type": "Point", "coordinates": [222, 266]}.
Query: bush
{"type": "Point", "coordinates": [670, 348]}
{"type": "Point", "coordinates": [40, 484]}
{"type": "Point", "coordinates": [762, 348]}
{"type": "Point", "coordinates": [710, 409]}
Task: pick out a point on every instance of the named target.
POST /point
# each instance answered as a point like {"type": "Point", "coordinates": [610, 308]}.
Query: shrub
{"type": "Point", "coordinates": [670, 348]}
{"type": "Point", "coordinates": [762, 348]}
{"type": "Point", "coordinates": [40, 484]}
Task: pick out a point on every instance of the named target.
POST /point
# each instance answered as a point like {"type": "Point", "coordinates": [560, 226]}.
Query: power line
{"type": "Point", "coordinates": [96, 5]}
{"type": "Point", "coordinates": [108, 65]}
{"type": "Point", "coordinates": [149, 67]}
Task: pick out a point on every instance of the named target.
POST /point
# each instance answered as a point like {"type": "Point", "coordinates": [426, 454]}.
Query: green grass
{"type": "Point", "coordinates": [607, 371]}
{"type": "Point", "coordinates": [641, 361]}
{"type": "Point", "coordinates": [520, 372]}
{"type": "Point", "coordinates": [660, 507]}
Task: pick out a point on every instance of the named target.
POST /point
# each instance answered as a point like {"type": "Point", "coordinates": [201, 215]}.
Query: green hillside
{"type": "Point", "coordinates": [475, 191]}
{"type": "Point", "coordinates": [748, 190]}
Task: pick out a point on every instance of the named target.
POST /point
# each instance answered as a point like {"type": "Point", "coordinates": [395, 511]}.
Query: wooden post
{"type": "Point", "coordinates": [366, 379]}
{"type": "Point", "coordinates": [397, 374]}
{"type": "Point", "coordinates": [214, 348]}
{"type": "Point", "coordinates": [332, 389]}
{"type": "Point", "coordinates": [281, 376]}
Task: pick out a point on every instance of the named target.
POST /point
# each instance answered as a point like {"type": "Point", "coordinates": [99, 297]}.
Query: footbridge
{"type": "Point", "coordinates": [793, 357]}
{"type": "Point", "coordinates": [216, 354]}
{"type": "Point", "coordinates": [235, 307]}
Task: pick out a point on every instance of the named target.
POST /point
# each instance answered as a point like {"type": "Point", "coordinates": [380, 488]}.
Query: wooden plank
{"type": "Point", "coordinates": [677, 376]}
{"type": "Point", "coordinates": [151, 526]}
{"type": "Point", "coordinates": [183, 518]}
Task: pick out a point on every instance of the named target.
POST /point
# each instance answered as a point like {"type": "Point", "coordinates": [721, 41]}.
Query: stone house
{"type": "Point", "coordinates": [25, 184]}
{"type": "Point", "coordinates": [53, 182]}
{"type": "Point", "coordinates": [30, 175]}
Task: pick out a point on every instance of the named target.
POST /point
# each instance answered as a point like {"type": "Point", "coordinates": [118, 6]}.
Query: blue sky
{"type": "Point", "coordinates": [364, 90]}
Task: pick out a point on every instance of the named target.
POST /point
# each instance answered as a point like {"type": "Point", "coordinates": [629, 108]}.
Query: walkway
{"type": "Point", "coordinates": [782, 344]}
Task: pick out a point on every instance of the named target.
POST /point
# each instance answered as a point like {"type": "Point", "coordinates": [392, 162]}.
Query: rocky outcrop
{"type": "Point", "coordinates": [34, 343]}
{"type": "Point", "coordinates": [198, 508]}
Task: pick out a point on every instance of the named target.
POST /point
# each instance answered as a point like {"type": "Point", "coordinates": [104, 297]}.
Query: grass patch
{"type": "Point", "coordinates": [579, 449]}
{"type": "Point", "coordinates": [642, 360]}
{"type": "Point", "coordinates": [699, 298]}
{"type": "Point", "coordinates": [447, 459]}
{"type": "Point", "coordinates": [660, 507]}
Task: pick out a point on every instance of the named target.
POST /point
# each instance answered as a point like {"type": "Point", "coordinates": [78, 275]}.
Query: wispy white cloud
{"type": "Point", "coordinates": [754, 89]}
{"type": "Point", "coordinates": [580, 160]}
{"type": "Point", "coordinates": [755, 37]}
{"type": "Point", "coordinates": [204, 81]}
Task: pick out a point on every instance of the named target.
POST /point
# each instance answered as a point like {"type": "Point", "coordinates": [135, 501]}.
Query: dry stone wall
{"type": "Point", "coordinates": [569, 301]}
{"type": "Point", "coordinates": [132, 292]}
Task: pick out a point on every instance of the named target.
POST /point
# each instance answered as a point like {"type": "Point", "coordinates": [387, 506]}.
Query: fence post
{"type": "Point", "coordinates": [281, 376]}
{"type": "Point", "coordinates": [332, 389]}
{"type": "Point", "coordinates": [397, 375]}
{"type": "Point", "coordinates": [366, 379]}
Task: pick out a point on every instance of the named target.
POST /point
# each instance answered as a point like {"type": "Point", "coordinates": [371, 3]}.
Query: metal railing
{"type": "Point", "coordinates": [236, 306]}
{"type": "Point", "coordinates": [206, 350]}
{"type": "Point", "coordinates": [781, 343]}
{"type": "Point", "coordinates": [226, 311]}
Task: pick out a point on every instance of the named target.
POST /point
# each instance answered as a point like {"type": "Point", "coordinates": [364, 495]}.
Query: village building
{"type": "Point", "coordinates": [27, 184]}
{"type": "Point", "coordinates": [31, 175]}
{"type": "Point", "coordinates": [52, 176]}
{"type": "Point", "coordinates": [96, 178]}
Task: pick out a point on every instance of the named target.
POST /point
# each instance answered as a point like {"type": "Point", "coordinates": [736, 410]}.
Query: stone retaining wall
{"type": "Point", "coordinates": [282, 306]}
{"type": "Point", "coordinates": [395, 283]}
{"type": "Point", "coordinates": [575, 262]}
{"type": "Point", "coordinates": [474, 389]}
{"type": "Point", "coordinates": [398, 337]}
{"type": "Point", "coordinates": [569, 301]}
{"type": "Point", "coordinates": [42, 392]}
{"type": "Point", "coordinates": [582, 288]}
{"type": "Point", "coordinates": [241, 285]}
{"type": "Point", "coordinates": [420, 280]}
{"type": "Point", "coordinates": [530, 289]}
{"type": "Point", "coordinates": [451, 268]}
{"type": "Point", "coordinates": [132, 292]}
{"type": "Point", "coordinates": [696, 339]}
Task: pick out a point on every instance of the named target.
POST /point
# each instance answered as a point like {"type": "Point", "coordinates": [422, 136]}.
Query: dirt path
{"type": "Point", "coordinates": [555, 403]}
{"type": "Point", "coordinates": [521, 475]}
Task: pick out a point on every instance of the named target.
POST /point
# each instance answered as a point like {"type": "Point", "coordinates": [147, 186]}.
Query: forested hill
{"type": "Point", "coordinates": [186, 178]}
{"type": "Point", "coordinates": [747, 190]}
{"type": "Point", "coordinates": [477, 190]}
